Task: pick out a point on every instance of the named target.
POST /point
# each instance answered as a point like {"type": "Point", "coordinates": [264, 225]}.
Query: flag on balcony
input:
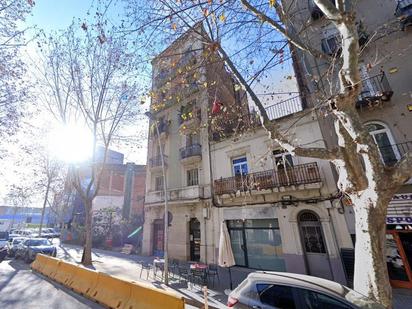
{"type": "Point", "coordinates": [216, 107]}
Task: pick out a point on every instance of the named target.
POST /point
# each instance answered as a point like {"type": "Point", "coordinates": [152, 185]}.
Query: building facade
{"type": "Point", "coordinates": [384, 104]}
{"type": "Point", "coordinates": [283, 212]}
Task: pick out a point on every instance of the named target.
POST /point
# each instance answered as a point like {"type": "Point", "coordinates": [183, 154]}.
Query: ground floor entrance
{"type": "Point", "coordinates": [399, 256]}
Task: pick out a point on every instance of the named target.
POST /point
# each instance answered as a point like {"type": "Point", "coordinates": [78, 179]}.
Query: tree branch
{"type": "Point", "coordinates": [402, 170]}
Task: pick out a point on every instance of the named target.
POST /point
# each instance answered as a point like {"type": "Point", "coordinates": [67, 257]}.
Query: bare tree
{"type": "Point", "coordinates": [19, 197]}
{"type": "Point", "coordinates": [91, 80]}
{"type": "Point", "coordinates": [13, 87]}
{"type": "Point", "coordinates": [260, 28]}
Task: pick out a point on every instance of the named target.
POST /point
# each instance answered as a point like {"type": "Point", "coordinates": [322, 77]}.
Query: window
{"type": "Point", "coordinates": [282, 159]}
{"type": "Point", "coordinates": [278, 296]}
{"type": "Point", "coordinates": [159, 183]}
{"type": "Point", "coordinates": [256, 243]}
{"type": "Point", "coordinates": [316, 300]}
{"type": "Point", "coordinates": [331, 45]}
{"type": "Point", "coordinates": [192, 139]}
{"type": "Point", "coordinates": [240, 166]}
{"type": "Point", "coordinates": [383, 138]}
{"type": "Point", "coordinates": [193, 177]}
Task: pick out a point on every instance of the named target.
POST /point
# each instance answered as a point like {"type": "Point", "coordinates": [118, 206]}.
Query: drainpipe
{"type": "Point", "coordinates": [335, 240]}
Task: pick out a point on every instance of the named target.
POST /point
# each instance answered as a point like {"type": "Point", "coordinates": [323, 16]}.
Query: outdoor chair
{"type": "Point", "coordinates": [198, 276]}
{"type": "Point", "coordinates": [174, 266]}
{"type": "Point", "coordinates": [183, 272]}
{"type": "Point", "coordinates": [147, 267]}
{"type": "Point", "coordinates": [212, 272]}
{"type": "Point", "coordinates": [158, 267]}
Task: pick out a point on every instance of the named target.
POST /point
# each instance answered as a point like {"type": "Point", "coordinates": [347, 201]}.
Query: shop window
{"type": "Point", "coordinates": [277, 296]}
{"type": "Point", "coordinates": [192, 177]}
{"type": "Point", "coordinates": [256, 243]}
{"type": "Point", "coordinates": [240, 166]}
{"type": "Point", "coordinates": [158, 183]}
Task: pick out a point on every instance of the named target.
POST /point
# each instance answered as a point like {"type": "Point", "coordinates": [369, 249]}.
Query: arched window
{"type": "Point", "coordinates": [383, 138]}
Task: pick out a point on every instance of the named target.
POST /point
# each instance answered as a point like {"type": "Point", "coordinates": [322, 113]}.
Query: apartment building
{"type": "Point", "coordinates": [188, 82]}
{"type": "Point", "coordinates": [384, 104]}
{"type": "Point", "coordinates": [282, 212]}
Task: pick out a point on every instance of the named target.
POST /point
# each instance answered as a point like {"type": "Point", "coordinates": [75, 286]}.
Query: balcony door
{"type": "Point", "coordinates": [383, 138]}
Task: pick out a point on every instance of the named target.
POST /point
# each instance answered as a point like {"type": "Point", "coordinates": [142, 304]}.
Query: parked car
{"type": "Point", "coordinates": [24, 233]}
{"type": "Point", "coordinates": [13, 244]}
{"type": "Point", "coordinates": [51, 232]}
{"type": "Point", "coordinates": [4, 237]}
{"type": "Point", "coordinates": [269, 290]}
{"type": "Point", "coordinates": [31, 246]}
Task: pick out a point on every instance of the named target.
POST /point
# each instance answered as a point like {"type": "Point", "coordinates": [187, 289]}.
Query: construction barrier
{"type": "Point", "coordinates": [144, 296]}
{"type": "Point", "coordinates": [66, 272]}
{"type": "Point", "coordinates": [50, 267]}
{"type": "Point", "coordinates": [107, 290]}
{"type": "Point", "coordinates": [111, 291]}
{"type": "Point", "coordinates": [83, 281]}
{"type": "Point", "coordinates": [39, 263]}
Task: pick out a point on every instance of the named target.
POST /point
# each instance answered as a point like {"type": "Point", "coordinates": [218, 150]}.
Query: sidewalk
{"type": "Point", "coordinates": [128, 267]}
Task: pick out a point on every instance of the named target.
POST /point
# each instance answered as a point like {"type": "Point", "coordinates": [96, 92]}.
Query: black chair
{"type": "Point", "coordinates": [212, 272]}
{"type": "Point", "coordinates": [198, 276]}
{"type": "Point", "coordinates": [157, 267]}
{"type": "Point", "coordinates": [147, 267]}
{"type": "Point", "coordinates": [174, 267]}
{"type": "Point", "coordinates": [184, 272]}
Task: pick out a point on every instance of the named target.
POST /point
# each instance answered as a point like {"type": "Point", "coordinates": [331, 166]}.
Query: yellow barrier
{"type": "Point", "coordinates": [147, 297]}
{"type": "Point", "coordinates": [39, 263]}
{"type": "Point", "coordinates": [107, 290]}
{"type": "Point", "coordinates": [65, 272]}
{"type": "Point", "coordinates": [50, 268]}
{"type": "Point", "coordinates": [111, 291]}
{"type": "Point", "coordinates": [83, 281]}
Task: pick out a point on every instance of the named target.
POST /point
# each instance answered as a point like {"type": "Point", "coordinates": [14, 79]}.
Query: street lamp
{"type": "Point", "coordinates": [166, 218]}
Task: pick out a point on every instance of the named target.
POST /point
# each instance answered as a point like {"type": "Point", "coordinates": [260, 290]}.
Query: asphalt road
{"type": "Point", "coordinates": [20, 288]}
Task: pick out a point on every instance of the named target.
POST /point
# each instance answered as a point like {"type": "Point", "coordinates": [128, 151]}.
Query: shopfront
{"type": "Point", "coordinates": [399, 241]}
{"type": "Point", "coordinates": [256, 243]}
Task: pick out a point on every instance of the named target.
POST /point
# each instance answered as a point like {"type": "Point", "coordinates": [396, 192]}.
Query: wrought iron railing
{"type": "Point", "coordinates": [374, 88]}
{"type": "Point", "coordinates": [190, 151]}
{"type": "Point", "coordinates": [284, 108]}
{"type": "Point", "coordinates": [194, 114]}
{"type": "Point", "coordinates": [391, 154]}
{"type": "Point", "coordinates": [297, 175]}
{"type": "Point", "coordinates": [156, 161]}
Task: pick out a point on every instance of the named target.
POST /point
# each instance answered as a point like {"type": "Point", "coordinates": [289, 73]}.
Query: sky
{"type": "Point", "coordinates": [54, 15]}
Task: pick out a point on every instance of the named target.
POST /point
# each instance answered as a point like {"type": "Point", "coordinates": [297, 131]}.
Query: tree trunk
{"type": "Point", "coordinates": [46, 197]}
{"type": "Point", "coordinates": [87, 249]}
{"type": "Point", "coordinates": [371, 274]}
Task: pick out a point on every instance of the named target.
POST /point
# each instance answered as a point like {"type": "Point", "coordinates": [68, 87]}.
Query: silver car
{"type": "Point", "coordinates": [269, 290]}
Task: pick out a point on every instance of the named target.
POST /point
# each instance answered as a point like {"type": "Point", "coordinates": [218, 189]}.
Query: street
{"type": "Point", "coordinates": [22, 288]}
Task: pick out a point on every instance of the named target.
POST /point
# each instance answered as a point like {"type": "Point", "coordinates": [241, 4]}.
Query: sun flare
{"type": "Point", "coordinates": [71, 143]}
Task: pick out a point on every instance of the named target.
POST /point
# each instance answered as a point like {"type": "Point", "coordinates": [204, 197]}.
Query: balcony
{"type": "Point", "coordinates": [391, 154]}
{"type": "Point", "coordinates": [155, 163]}
{"type": "Point", "coordinates": [284, 108]}
{"type": "Point", "coordinates": [404, 12]}
{"type": "Point", "coordinates": [375, 89]}
{"type": "Point", "coordinates": [191, 154]}
{"type": "Point", "coordinates": [186, 194]}
{"type": "Point", "coordinates": [266, 180]}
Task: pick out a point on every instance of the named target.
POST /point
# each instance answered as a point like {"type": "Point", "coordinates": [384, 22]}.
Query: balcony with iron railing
{"type": "Point", "coordinates": [155, 163]}
{"type": "Point", "coordinates": [375, 89]}
{"type": "Point", "coordinates": [292, 176]}
{"type": "Point", "coordinates": [391, 154]}
{"type": "Point", "coordinates": [191, 153]}
{"type": "Point", "coordinates": [285, 108]}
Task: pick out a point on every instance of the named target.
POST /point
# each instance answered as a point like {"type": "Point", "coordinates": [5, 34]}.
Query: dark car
{"type": "Point", "coordinates": [30, 247]}
{"type": "Point", "coordinates": [13, 244]}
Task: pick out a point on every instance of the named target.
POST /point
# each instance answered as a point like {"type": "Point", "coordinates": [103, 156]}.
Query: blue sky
{"type": "Point", "coordinates": [57, 14]}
